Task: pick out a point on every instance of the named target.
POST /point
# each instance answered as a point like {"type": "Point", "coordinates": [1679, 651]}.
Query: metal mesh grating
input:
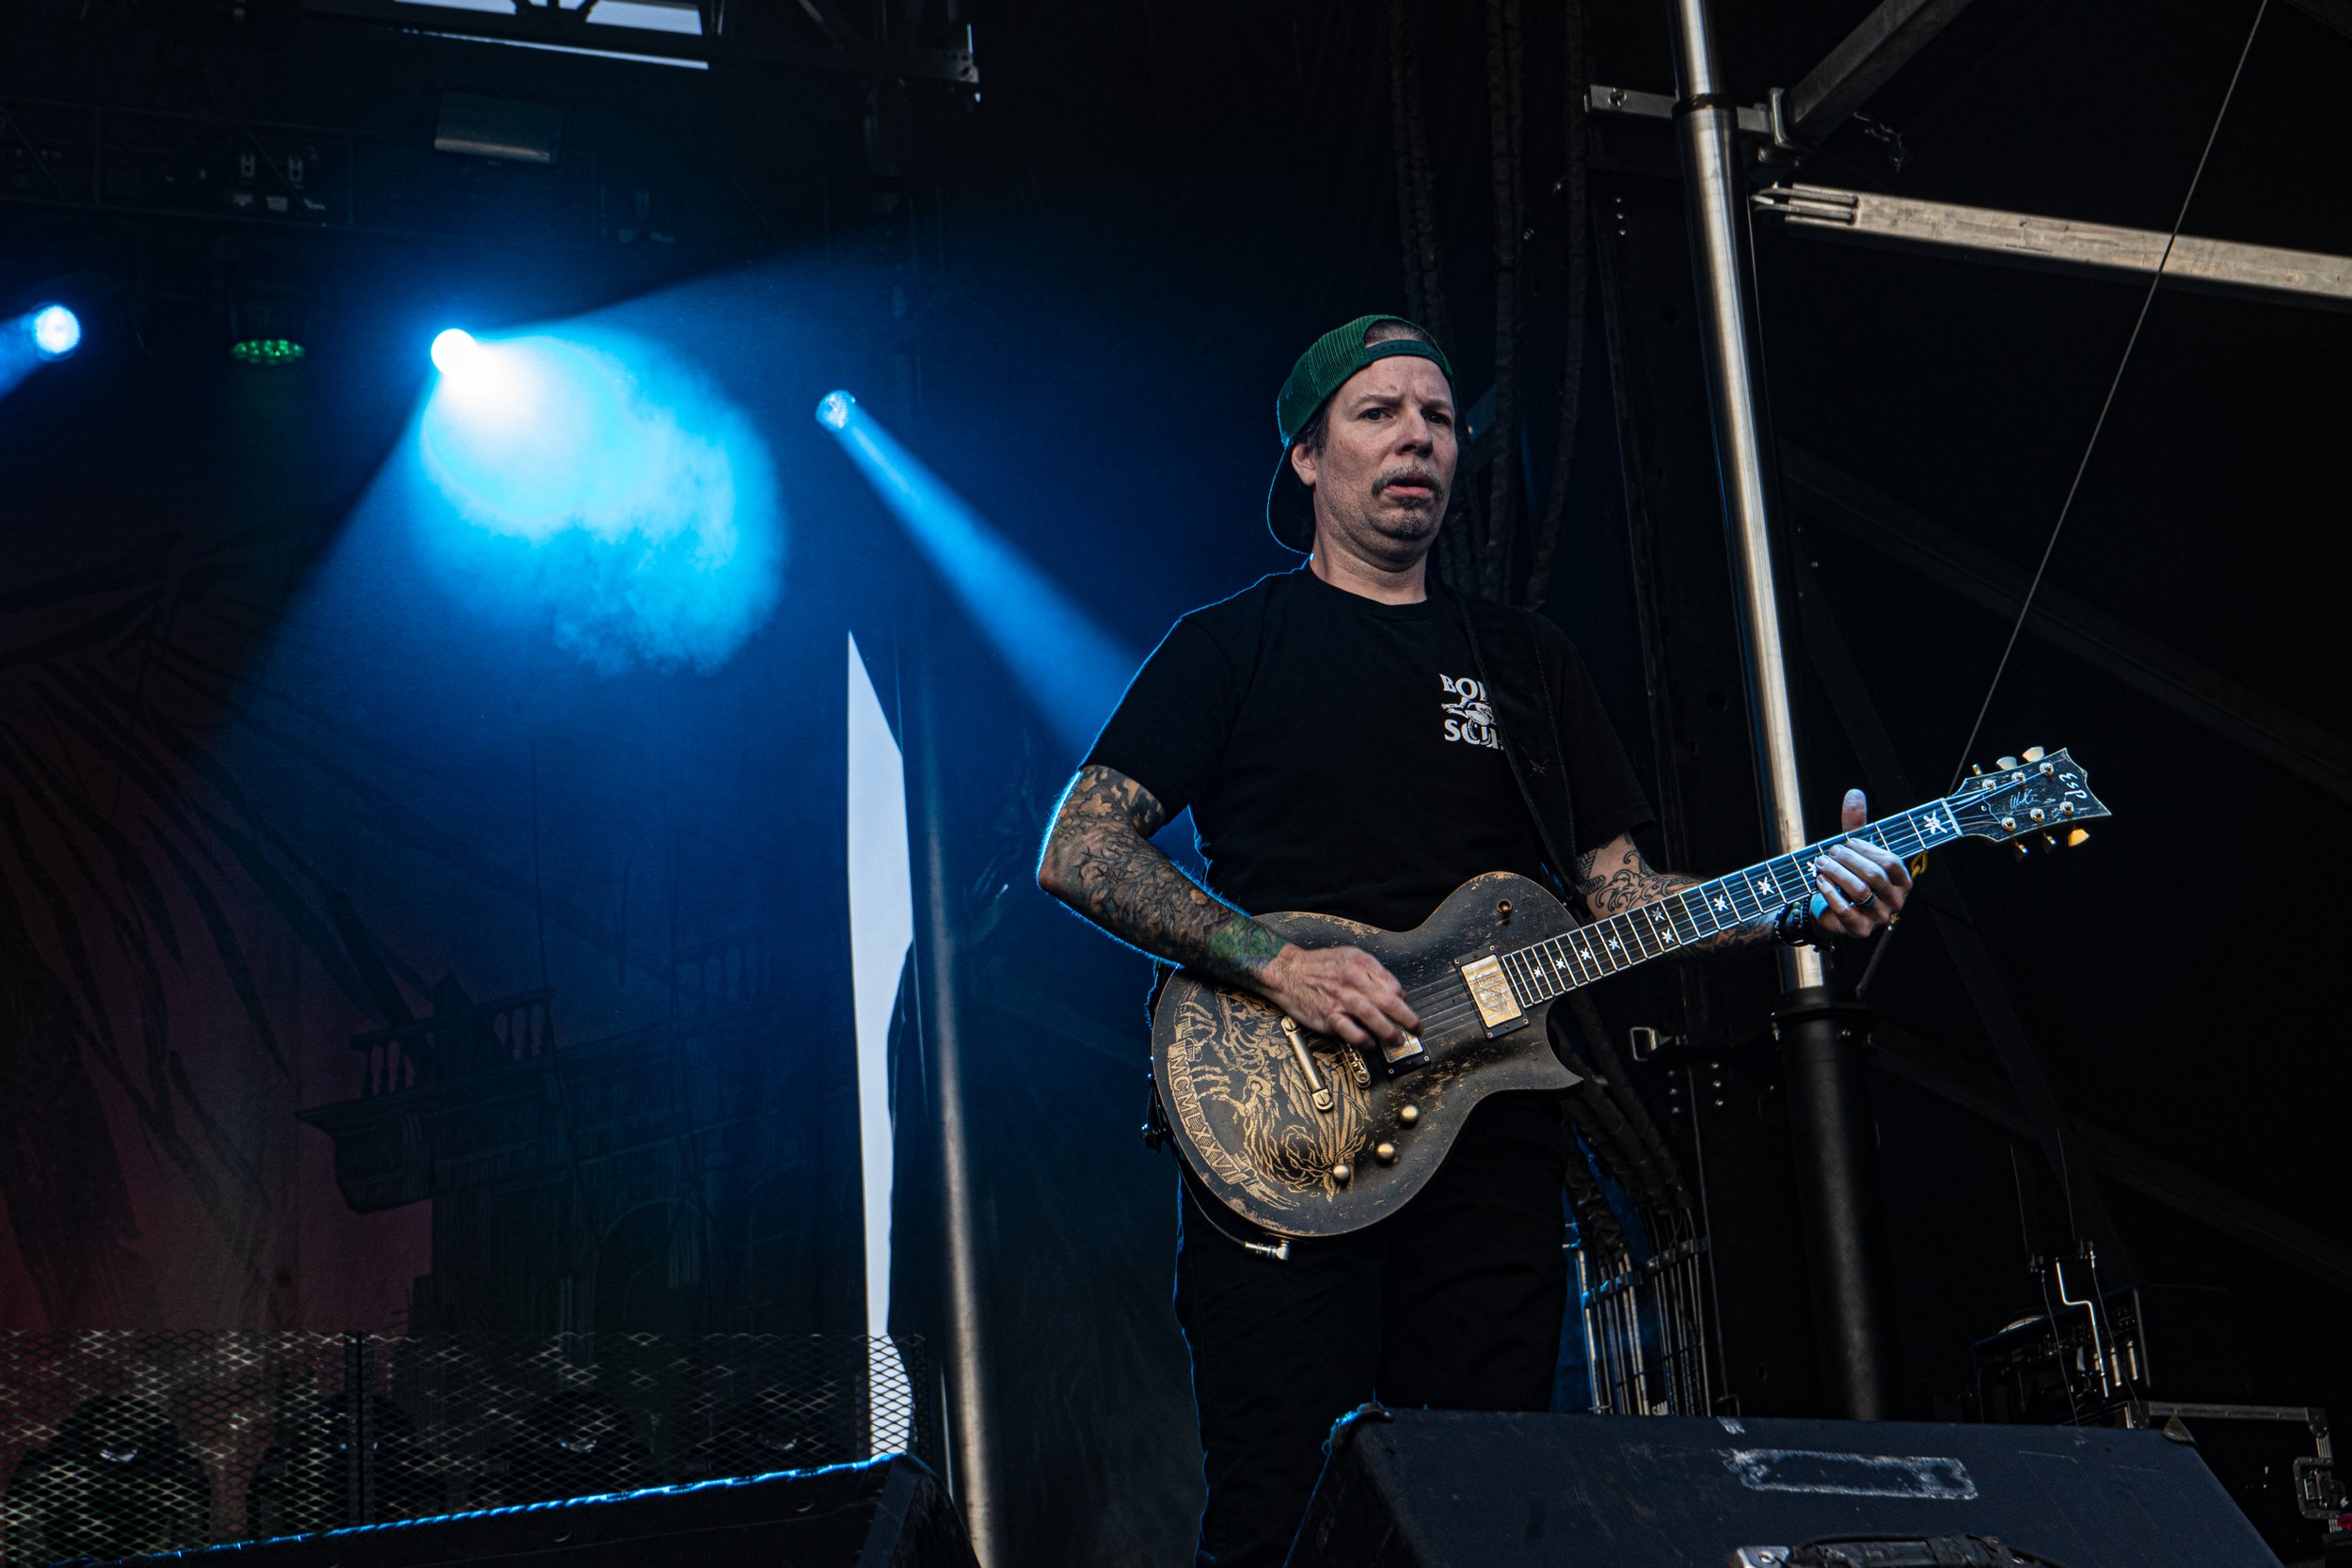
{"type": "Point", "coordinates": [115, 1444]}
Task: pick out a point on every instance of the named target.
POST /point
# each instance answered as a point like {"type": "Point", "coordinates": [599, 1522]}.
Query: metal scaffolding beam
{"type": "Point", "coordinates": [2024, 239]}
{"type": "Point", "coordinates": [1930, 1067]}
{"type": "Point", "coordinates": [571, 28]}
{"type": "Point", "coordinates": [1827, 96]}
{"type": "Point", "coordinates": [1836, 498]}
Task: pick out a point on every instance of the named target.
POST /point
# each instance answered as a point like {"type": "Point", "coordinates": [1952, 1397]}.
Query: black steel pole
{"type": "Point", "coordinates": [1834, 1143]}
{"type": "Point", "coordinates": [1828, 1097]}
{"type": "Point", "coordinates": [936, 944]}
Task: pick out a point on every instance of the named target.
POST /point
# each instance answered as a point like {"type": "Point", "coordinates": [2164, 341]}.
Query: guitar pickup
{"type": "Point", "coordinates": [1490, 990]}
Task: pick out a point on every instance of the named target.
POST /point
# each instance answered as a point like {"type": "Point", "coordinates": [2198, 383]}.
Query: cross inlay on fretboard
{"type": "Point", "coordinates": [1554, 967]}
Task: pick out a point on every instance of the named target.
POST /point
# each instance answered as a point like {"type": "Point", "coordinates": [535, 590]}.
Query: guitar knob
{"type": "Point", "coordinates": [1407, 1114]}
{"type": "Point", "coordinates": [2077, 839]}
{"type": "Point", "coordinates": [1385, 1153]}
{"type": "Point", "coordinates": [2008, 764]}
{"type": "Point", "coordinates": [2033, 753]}
{"type": "Point", "coordinates": [1342, 1172]}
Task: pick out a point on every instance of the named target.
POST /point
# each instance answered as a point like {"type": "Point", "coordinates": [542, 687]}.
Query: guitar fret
{"type": "Point", "coordinates": [1522, 978]}
{"type": "Point", "coordinates": [1547, 980]}
{"type": "Point", "coordinates": [1556, 983]}
{"type": "Point", "coordinates": [1645, 935]}
{"type": "Point", "coordinates": [1686, 922]}
{"type": "Point", "coordinates": [1627, 930]}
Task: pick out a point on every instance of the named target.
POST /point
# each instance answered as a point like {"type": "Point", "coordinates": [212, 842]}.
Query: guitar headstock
{"type": "Point", "coordinates": [2039, 793]}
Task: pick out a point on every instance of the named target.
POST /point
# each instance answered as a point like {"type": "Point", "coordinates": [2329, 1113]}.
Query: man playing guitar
{"type": "Point", "coordinates": [1331, 731]}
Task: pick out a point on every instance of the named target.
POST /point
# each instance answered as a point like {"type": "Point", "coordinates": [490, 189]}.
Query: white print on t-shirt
{"type": "Point", "coordinates": [1467, 718]}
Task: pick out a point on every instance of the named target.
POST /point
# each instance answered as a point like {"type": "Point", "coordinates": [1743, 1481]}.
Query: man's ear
{"type": "Point", "coordinates": [1303, 464]}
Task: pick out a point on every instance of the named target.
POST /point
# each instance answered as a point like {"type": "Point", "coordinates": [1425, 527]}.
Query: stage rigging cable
{"type": "Point", "coordinates": [2147, 298]}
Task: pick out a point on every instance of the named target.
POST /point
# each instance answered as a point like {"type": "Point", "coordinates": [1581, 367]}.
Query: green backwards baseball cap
{"type": "Point", "coordinates": [1325, 366]}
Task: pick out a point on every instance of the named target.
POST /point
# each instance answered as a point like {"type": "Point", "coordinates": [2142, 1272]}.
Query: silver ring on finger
{"type": "Point", "coordinates": [1867, 899]}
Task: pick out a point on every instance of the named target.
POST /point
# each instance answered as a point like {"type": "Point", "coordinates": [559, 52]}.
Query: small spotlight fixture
{"type": "Point", "coordinates": [833, 410]}
{"type": "Point", "coordinates": [271, 312]}
{"type": "Point", "coordinates": [55, 331]}
{"type": "Point", "coordinates": [266, 351]}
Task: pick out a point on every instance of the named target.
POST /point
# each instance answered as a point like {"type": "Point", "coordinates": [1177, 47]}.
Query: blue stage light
{"type": "Point", "coordinates": [454, 351]}
{"type": "Point", "coordinates": [609, 489]}
{"type": "Point", "coordinates": [56, 331]}
{"type": "Point", "coordinates": [1073, 669]}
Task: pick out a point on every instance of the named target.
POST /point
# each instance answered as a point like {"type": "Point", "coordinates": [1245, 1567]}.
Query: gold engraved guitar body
{"type": "Point", "coordinates": [1317, 1155]}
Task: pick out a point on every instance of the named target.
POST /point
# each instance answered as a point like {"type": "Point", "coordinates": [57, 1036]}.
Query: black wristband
{"type": "Point", "coordinates": [1794, 926]}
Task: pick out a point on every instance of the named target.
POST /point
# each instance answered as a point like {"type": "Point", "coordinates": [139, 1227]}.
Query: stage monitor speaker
{"type": "Point", "coordinates": [889, 1513]}
{"type": "Point", "coordinates": [1441, 1489]}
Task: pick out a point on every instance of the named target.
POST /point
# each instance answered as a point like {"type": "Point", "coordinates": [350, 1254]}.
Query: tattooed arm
{"type": "Point", "coordinates": [1615, 877]}
{"type": "Point", "coordinates": [1098, 859]}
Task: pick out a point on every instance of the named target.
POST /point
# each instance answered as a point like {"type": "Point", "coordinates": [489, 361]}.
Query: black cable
{"type": "Point", "coordinates": [2026, 606]}
{"type": "Point", "coordinates": [1600, 1046]}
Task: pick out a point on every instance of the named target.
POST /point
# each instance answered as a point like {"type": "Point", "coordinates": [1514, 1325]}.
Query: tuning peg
{"type": "Point", "coordinates": [2048, 842]}
{"type": "Point", "coordinates": [2008, 764]}
{"type": "Point", "coordinates": [2017, 847]}
{"type": "Point", "coordinates": [2077, 839]}
{"type": "Point", "coordinates": [1975, 771]}
{"type": "Point", "coordinates": [2033, 753]}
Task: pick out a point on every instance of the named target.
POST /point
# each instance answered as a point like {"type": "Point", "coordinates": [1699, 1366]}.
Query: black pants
{"type": "Point", "coordinates": [1453, 1302]}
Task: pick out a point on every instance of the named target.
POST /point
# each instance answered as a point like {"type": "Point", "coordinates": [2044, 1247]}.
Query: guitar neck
{"type": "Point", "coordinates": [1552, 968]}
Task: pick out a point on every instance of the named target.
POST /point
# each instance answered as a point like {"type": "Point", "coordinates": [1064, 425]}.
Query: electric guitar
{"type": "Point", "coordinates": [1306, 1136]}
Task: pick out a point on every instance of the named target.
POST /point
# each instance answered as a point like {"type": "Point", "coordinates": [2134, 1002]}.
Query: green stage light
{"type": "Point", "coordinates": [266, 351]}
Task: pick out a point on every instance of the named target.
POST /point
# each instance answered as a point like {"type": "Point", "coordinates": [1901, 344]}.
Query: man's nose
{"type": "Point", "coordinates": [1414, 434]}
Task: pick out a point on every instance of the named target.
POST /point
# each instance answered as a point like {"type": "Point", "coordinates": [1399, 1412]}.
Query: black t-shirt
{"type": "Point", "coordinates": [1339, 755]}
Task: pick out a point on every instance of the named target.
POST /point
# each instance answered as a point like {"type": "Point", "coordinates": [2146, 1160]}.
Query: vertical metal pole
{"type": "Point", "coordinates": [936, 943]}
{"type": "Point", "coordinates": [1828, 1096]}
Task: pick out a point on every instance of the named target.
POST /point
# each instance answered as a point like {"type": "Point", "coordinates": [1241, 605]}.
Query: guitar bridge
{"type": "Point", "coordinates": [1320, 1095]}
{"type": "Point", "coordinates": [1490, 990]}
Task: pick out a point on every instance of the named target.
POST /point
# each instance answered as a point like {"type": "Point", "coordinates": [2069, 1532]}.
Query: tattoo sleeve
{"type": "Point", "coordinates": [1098, 859]}
{"type": "Point", "coordinates": [1615, 877]}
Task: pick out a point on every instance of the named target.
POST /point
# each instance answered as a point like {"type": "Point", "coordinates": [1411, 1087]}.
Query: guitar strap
{"type": "Point", "coordinates": [1527, 721]}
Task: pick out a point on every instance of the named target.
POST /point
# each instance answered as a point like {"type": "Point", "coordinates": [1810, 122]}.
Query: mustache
{"type": "Point", "coordinates": [1410, 475]}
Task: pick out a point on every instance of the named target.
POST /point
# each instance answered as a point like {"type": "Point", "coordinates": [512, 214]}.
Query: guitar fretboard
{"type": "Point", "coordinates": [1554, 967]}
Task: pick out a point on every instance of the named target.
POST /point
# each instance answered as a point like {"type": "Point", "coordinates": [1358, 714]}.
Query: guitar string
{"type": "Point", "coordinates": [1441, 1005]}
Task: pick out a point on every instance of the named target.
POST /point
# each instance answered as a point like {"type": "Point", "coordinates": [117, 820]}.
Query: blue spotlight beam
{"type": "Point", "coordinates": [1073, 669]}
{"type": "Point", "coordinates": [593, 482]}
